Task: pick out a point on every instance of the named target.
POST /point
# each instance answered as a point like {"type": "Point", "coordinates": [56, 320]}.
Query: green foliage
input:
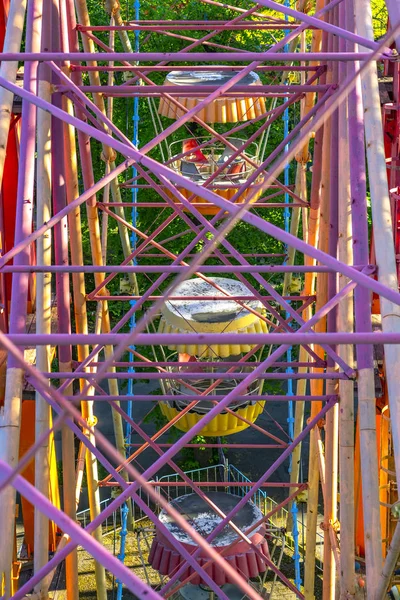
{"type": "Point", "coordinates": [156, 418]}
{"type": "Point", "coordinates": [187, 459]}
{"type": "Point", "coordinates": [379, 17]}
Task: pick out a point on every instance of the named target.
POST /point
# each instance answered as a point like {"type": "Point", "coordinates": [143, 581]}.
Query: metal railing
{"type": "Point", "coordinates": [279, 518]}
{"type": "Point", "coordinates": [214, 473]}
{"type": "Point", "coordinates": [109, 523]}
{"type": "Point", "coordinates": [114, 521]}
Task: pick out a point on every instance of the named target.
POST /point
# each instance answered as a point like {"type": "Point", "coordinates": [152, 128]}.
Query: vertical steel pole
{"type": "Point", "coordinates": [386, 261]}
{"type": "Point", "coordinates": [291, 221]}
{"type": "Point", "coordinates": [317, 385]}
{"type": "Point", "coordinates": [346, 323]}
{"type": "Point", "coordinates": [10, 416]}
{"type": "Point", "coordinates": [43, 302]}
{"type": "Point", "coordinates": [63, 308]}
{"type": "Point", "coordinates": [331, 421]}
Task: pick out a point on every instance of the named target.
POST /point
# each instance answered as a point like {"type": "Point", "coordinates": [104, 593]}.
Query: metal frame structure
{"type": "Point", "coordinates": [60, 117]}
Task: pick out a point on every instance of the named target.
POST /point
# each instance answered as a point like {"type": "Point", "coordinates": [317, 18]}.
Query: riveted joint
{"type": "Point", "coordinates": [304, 6]}
{"type": "Point", "coordinates": [320, 424]}
{"type": "Point", "coordinates": [111, 7]}
{"type": "Point", "coordinates": [335, 525]}
{"type": "Point", "coordinates": [302, 158]}
{"type": "Point", "coordinates": [111, 156]}
{"type": "Point", "coordinates": [91, 421]}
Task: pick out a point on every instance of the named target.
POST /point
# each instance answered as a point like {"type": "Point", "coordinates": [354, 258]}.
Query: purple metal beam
{"type": "Point", "coordinates": [195, 57]}
{"type": "Point", "coordinates": [11, 412]}
{"type": "Point", "coordinates": [358, 186]}
{"type": "Point", "coordinates": [167, 68]}
{"type": "Point", "coordinates": [188, 376]}
{"type": "Point", "coordinates": [197, 91]}
{"type": "Point", "coordinates": [154, 339]}
{"type": "Point", "coordinates": [172, 397]}
{"type": "Point", "coordinates": [138, 364]}
{"type": "Point", "coordinates": [254, 205]}
{"type": "Point", "coordinates": [189, 26]}
{"type": "Point", "coordinates": [394, 16]}
{"type": "Point", "coordinates": [239, 484]}
{"type": "Point", "coordinates": [25, 194]}
{"type": "Point", "coordinates": [61, 237]}
{"type": "Point", "coordinates": [177, 269]}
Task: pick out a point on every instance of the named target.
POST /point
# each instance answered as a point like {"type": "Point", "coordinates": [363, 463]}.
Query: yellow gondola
{"type": "Point", "coordinates": [211, 316]}
{"type": "Point", "coordinates": [223, 110]}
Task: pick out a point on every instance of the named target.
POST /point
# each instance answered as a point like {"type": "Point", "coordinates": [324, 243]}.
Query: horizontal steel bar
{"type": "Point", "coordinates": [172, 397]}
{"type": "Point", "coordinates": [192, 26]}
{"type": "Point", "coordinates": [154, 363]}
{"type": "Point", "coordinates": [213, 298]}
{"type": "Point", "coordinates": [193, 57]}
{"type": "Point", "coordinates": [254, 205]}
{"type": "Point", "coordinates": [168, 68]}
{"type": "Point", "coordinates": [170, 269]}
{"type": "Point", "coordinates": [115, 92]}
{"type": "Point", "coordinates": [156, 339]}
{"type": "Point", "coordinates": [192, 375]}
{"type": "Point", "coordinates": [212, 483]}
{"type": "Point", "coordinates": [196, 90]}
{"type": "Point", "coordinates": [265, 18]}
{"type": "Point", "coordinates": [129, 184]}
{"type": "Point", "coordinates": [155, 252]}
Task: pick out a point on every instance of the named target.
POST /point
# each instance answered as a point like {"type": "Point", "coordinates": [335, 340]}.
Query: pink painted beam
{"type": "Point", "coordinates": [198, 91]}
{"type": "Point", "coordinates": [190, 26]}
{"type": "Point", "coordinates": [195, 57]}
{"type": "Point", "coordinates": [239, 484]}
{"type": "Point", "coordinates": [168, 68]}
{"type": "Point", "coordinates": [155, 339]}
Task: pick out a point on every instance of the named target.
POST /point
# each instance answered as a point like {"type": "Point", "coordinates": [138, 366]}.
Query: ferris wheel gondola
{"type": "Point", "coordinates": [209, 316]}
{"type": "Point", "coordinates": [241, 556]}
{"type": "Point", "coordinates": [200, 158]}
